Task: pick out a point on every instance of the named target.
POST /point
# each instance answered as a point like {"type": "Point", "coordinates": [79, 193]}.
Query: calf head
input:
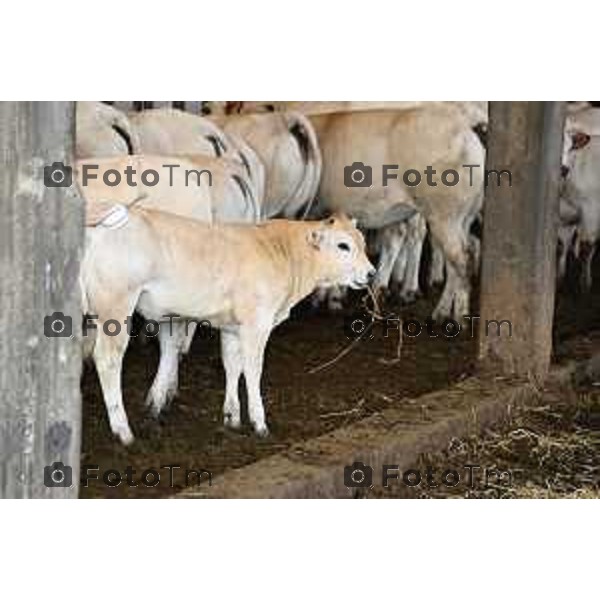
{"type": "Point", "coordinates": [342, 258]}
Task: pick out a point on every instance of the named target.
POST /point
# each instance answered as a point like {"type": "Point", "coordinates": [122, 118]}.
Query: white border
{"type": "Point", "coordinates": [299, 549]}
{"type": "Point", "coordinates": [309, 50]}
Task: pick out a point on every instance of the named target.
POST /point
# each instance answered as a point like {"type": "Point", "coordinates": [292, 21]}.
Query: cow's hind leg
{"type": "Point", "coordinates": [108, 357]}
{"type": "Point", "coordinates": [438, 265]}
{"type": "Point", "coordinates": [587, 251]}
{"type": "Point", "coordinates": [233, 365]}
{"type": "Point", "coordinates": [454, 301]}
{"type": "Point", "coordinates": [400, 269]}
{"type": "Point", "coordinates": [414, 250]}
{"type": "Point", "coordinates": [392, 239]}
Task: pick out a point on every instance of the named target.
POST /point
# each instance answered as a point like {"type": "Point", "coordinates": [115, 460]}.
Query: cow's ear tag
{"type": "Point", "coordinates": [116, 217]}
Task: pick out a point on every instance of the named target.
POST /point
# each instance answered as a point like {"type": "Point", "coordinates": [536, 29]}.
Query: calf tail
{"type": "Point", "coordinates": [88, 340]}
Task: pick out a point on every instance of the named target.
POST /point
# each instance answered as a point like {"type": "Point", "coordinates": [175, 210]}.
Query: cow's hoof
{"type": "Point", "coordinates": [155, 410]}
{"type": "Point", "coordinates": [126, 437]}
{"type": "Point", "coordinates": [409, 297]}
{"type": "Point", "coordinates": [261, 431]}
{"type": "Point", "coordinates": [232, 423]}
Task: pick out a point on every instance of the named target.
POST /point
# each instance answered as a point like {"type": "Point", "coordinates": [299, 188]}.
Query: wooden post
{"type": "Point", "coordinates": [41, 240]}
{"type": "Point", "coordinates": [519, 236]}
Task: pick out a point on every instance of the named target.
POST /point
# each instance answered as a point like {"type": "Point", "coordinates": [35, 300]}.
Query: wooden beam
{"type": "Point", "coordinates": [41, 239]}
{"type": "Point", "coordinates": [519, 236]}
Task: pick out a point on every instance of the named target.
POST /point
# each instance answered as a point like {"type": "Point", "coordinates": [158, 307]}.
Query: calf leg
{"type": "Point", "coordinates": [108, 357]}
{"type": "Point", "coordinates": [172, 339]}
{"type": "Point", "coordinates": [233, 365]}
{"type": "Point", "coordinates": [253, 340]}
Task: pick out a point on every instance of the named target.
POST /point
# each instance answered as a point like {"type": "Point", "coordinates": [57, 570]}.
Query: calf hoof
{"type": "Point", "coordinates": [155, 410]}
{"type": "Point", "coordinates": [262, 431]}
{"type": "Point", "coordinates": [125, 436]}
{"type": "Point", "coordinates": [232, 423]}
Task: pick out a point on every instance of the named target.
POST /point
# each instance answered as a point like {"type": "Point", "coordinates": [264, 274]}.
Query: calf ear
{"type": "Point", "coordinates": [353, 222]}
{"type": "Point", "coordinates": [315, 238]}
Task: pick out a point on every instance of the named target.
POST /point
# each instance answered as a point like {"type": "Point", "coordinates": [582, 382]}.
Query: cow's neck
{"type": "Point", "coordinates": [303, 262]}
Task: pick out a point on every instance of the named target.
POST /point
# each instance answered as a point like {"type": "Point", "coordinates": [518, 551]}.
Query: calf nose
{"type": "Point", "coordinates": [564, 171]}
{"type": "Point", "coordinates": [371, 274]}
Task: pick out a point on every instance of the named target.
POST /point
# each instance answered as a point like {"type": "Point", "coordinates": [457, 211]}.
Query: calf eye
{"type": "Point", "coordinates": [343, 246]}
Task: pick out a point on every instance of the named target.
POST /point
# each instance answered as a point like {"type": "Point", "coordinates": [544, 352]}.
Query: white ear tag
{"type": "Point", "coordinates": [116, 217]}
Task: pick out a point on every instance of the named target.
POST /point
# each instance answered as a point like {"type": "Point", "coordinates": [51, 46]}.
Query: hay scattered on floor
{"type": "Point", "coordinates": [551, 450]}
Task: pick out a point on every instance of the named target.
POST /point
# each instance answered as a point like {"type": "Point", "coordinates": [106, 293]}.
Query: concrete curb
{"type": "Point", "coordinates": [315, 468]}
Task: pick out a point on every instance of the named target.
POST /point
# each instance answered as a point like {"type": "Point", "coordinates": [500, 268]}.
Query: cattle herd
{"type": "Point", "coordinates": [276, 220]}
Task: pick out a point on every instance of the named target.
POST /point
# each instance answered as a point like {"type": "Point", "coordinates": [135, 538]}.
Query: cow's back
{"type": "Point", "coordinates": [415, 138]}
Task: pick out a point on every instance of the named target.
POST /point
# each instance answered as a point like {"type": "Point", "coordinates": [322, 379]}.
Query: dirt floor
{"type": "Point", "coordinates": [304, 396]}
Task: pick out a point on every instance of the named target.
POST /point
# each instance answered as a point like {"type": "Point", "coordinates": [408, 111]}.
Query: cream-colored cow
{"type": "Point", "coordinates": [436, 136]}
{"type": "Point", "coordinates": [243, 279]}
{"type": "Point", "coordinates": [580, 194]}
{"type": "Point", "coordinates": [198, 187]}
{"type": "Point", "coordinates": [174, 132]}
{"type": "Point", "coordinates": [287, 145]}
{"type": "Point", "coordinates": [102, 130]}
